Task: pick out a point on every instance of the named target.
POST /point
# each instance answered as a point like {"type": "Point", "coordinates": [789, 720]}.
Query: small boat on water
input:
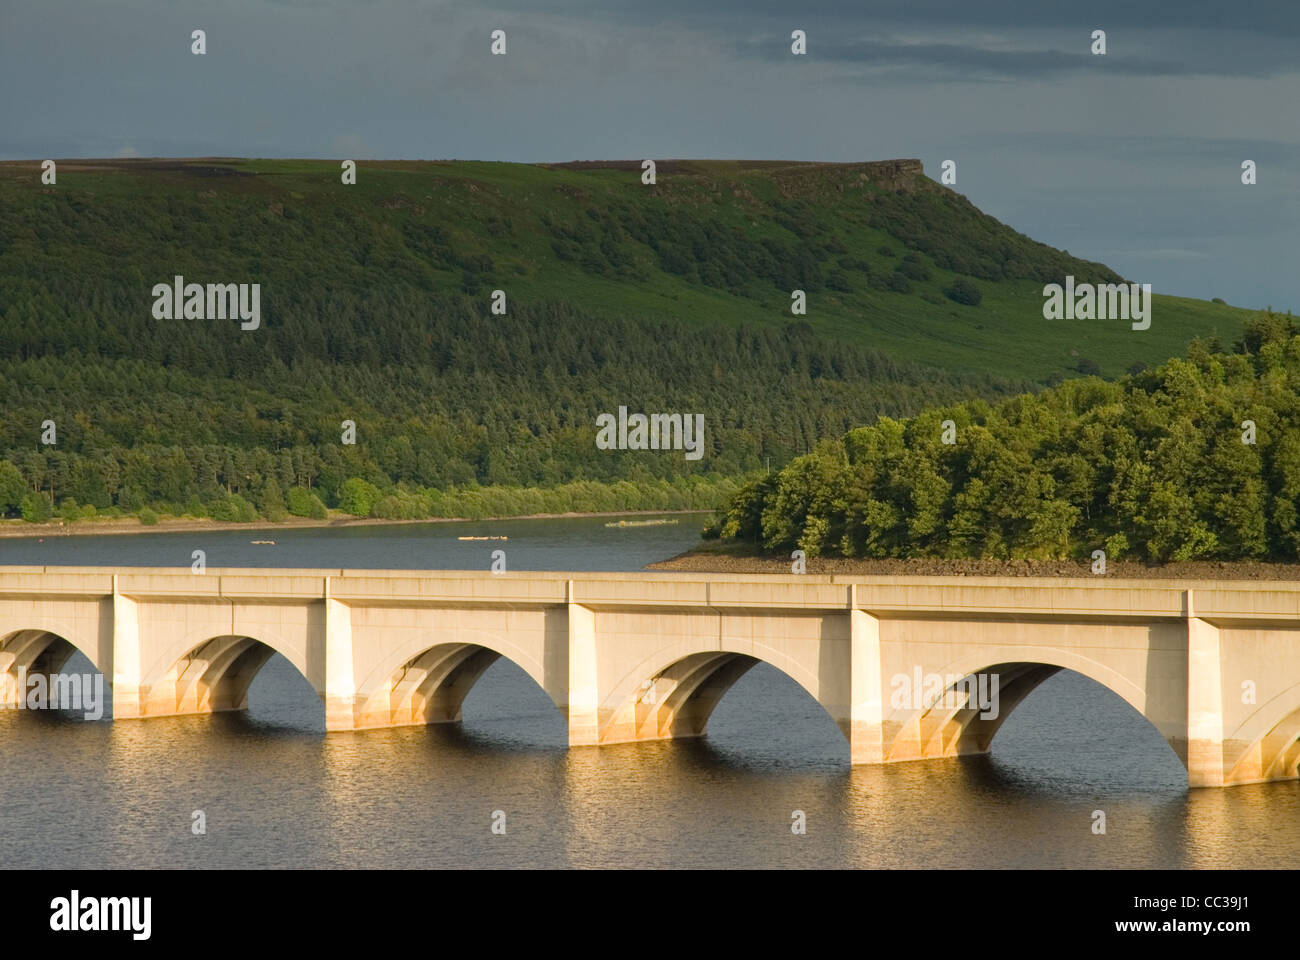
{"type": "Point", "coordinates": [482, 538]}
{"type": "Point", "coordinates": [641, 523]}
{"type": "Point", "coordinates": [270, 543]}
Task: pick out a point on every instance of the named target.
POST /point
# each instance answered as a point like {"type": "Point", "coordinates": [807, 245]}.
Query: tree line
{"type": "Point", "coordinates": [1198, 458]}
{"type": "Point", "coordinates": [442, 396]}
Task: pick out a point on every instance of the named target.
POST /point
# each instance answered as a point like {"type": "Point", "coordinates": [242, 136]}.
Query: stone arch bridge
{"type": "Point", "coordinates": [1214, 666]}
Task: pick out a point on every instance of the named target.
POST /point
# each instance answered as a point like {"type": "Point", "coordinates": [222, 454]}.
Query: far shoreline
{"type": "Point", "coordinates": [710, 557]}
{"type": "Point", "coordinates": [22, 529]}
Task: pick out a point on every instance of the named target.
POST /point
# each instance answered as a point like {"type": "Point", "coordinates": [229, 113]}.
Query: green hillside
{"type": "Point", "coordinates": [711, 242]}
{"type": "Point", "coordinates": [375, 308]}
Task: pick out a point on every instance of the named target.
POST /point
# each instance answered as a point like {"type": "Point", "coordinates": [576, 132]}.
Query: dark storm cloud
{"type": "Point", "coordinates": [1007, 39]}
{"type": "Point", "coordinates": [954, 61]}
{"type": "Point", "coordinates": [1265, 18]}
{"type": "Point", "coordinates": [1197, 151]}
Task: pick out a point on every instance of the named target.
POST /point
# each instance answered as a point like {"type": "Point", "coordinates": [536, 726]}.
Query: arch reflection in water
{"type": "Point", "coordinates": [278, 792]}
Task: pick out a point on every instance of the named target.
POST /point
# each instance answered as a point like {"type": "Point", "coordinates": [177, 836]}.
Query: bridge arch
{"type": "Point", "coordinates": [673, 694]}
{"type": "Point", "coordinates": [427, 678]}
{"type": "Point", "coordinates": [953, 726]}
{"type": "Point", "coordinates": [213, 673]}
{"type": "Point", "coordinates": [1268, 741]}
{"type": "Point", "coordinates": [38, 650]}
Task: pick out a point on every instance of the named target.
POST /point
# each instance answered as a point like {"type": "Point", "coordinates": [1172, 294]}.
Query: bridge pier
{"type": "Point", "coordinates": [866, 731]}
{"type": "Point", "coordinates": [581, 706]}
{"type": "Point", "coordinates": [124, 666]}
{"type": "Point", "coordinates": [1204, 746]}
{"type": "Point", "coordinates": [340, 689]}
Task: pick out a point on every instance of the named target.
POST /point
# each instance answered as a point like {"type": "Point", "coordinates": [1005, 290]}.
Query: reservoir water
{"type": "Point", "coordinates": [276, 791]}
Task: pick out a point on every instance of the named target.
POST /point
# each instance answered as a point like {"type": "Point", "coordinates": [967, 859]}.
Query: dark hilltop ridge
{"type": "Point", "coordinates": [889, 174]}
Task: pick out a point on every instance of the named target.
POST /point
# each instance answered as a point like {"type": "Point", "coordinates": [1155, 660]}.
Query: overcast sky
{"type": "Point", "coordinates": [1132, 158]}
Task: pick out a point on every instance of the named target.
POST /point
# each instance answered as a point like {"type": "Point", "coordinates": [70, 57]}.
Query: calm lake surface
{"type": "Point", "coordinates": [277, 792]}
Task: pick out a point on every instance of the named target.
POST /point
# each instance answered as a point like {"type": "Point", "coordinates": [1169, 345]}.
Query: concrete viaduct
{"type": "Point", "coordinates": [1214, 666]}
